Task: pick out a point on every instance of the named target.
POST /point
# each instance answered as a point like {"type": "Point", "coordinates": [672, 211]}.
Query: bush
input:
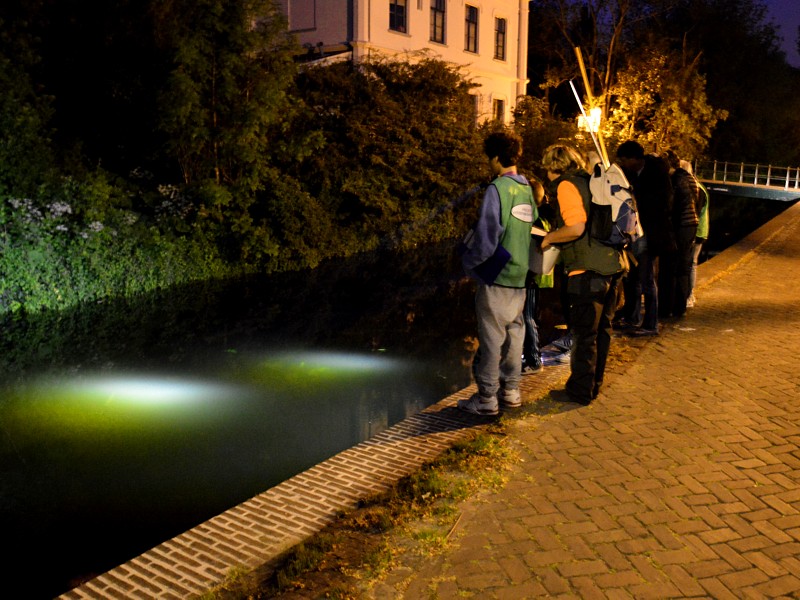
{"type": "Point", "coordinates": [75, 244]}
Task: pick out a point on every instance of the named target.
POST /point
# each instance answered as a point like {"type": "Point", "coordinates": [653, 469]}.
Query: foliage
{"type": "Point", "coordinates": [77, 243]}
{"type": "Point", "coordinates": [539, 129]}
{"type": "Point", "coordinates": [25, 156]}
{"type": "Point", "coordinates": [658, 111]}
{"type": "Point", "coordinates": [400, 142]}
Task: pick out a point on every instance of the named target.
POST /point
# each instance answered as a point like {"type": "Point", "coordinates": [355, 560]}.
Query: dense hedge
{"type": "Point", "coordinates": [74, 244]}
{"type": "Point", "coordinates": [396, 144]}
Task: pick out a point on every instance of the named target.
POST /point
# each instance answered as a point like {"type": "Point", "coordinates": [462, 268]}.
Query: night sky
{"type": "Point", "coordinates": [786, 14]}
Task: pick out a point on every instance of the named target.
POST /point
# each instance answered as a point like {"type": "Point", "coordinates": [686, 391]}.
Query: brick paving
{"type": "Point", "coordinates": [681, 480]}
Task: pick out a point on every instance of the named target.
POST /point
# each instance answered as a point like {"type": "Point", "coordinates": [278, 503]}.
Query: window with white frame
{"type": "Point", "coordinates": [398, 16]}
{"type": "Point", "coordinates": [471, 29]}
{"type": "Point", "coordinates": [437, 21]}
{"type": "Point", "coordinates": [500, 38]}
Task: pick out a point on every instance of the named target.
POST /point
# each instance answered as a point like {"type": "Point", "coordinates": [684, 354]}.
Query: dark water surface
{"type": "Point", "coordinates": [123, 424]}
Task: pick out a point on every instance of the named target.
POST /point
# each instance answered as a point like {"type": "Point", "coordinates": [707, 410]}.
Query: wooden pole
{"type": "Point", "coordinates": [590, 97]}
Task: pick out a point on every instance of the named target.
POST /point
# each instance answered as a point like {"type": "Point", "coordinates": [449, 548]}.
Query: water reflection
{"type": "Point", "coordinates": [123, 460]}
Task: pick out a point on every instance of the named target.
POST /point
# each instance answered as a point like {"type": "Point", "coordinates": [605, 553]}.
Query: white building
{"type": "Point", "coordinates": [488, 37]}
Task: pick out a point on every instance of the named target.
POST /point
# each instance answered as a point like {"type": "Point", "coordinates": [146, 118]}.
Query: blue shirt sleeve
{"type": "Point", "coordinates": [486, 233]}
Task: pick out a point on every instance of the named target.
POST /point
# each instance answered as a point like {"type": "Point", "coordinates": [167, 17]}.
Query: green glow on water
{"type": "Point", "coordinates": [130, 405]}
{"type": "Point", "coordinates": [309, 372]}
{"type": "Point", "coordinates": [125, 405]}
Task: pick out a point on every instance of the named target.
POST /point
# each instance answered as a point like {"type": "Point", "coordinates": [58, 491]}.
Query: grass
{"type": "Point", "coordinates": [411, 521]}
{"type": "Point", "coordinates": [391, 535]}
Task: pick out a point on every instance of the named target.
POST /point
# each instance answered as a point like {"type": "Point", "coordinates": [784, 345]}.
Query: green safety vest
{"type": "Point", "coordinates": [516, 236]}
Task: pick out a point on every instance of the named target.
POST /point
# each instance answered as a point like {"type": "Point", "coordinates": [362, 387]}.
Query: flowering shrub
{"type": "Point", "coordinates": [52, 256]}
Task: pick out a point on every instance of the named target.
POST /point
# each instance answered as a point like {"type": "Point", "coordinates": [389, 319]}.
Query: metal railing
{"type": "Point", "coordinates": [750, 174]}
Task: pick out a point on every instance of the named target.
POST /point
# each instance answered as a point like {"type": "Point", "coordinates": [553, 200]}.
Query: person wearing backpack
{"type": "Point", "coordinates": [503, 230]}
{"type": "Point", "coordinates": [594, 271]}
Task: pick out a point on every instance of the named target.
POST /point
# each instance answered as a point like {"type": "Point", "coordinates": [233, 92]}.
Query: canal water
{"type": "Point", "coordinates": [125, 423]}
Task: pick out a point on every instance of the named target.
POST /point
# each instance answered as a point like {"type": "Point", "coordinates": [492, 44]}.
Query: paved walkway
{"type": "Point", "coordinates": [681, 480]}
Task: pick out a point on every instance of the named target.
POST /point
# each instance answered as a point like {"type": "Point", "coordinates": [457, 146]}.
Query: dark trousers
{"type": "Point", "coordinates": [531, 350]}
{"type": "Point", "coordinates": [674, 273]}
{"type": "Point", "coordinates": [592, 303]}
{"type": "Point", "coordinates": [641, 279]}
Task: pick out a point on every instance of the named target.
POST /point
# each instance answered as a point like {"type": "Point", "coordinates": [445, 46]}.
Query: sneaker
{"type": "Point", "coordinates": [511, 398]}
{"type": "Point", "coordinates": [478, 405]}
{"type": "Point", "coordinates": [642, 332]}
{"type": "Point", "coordinates": [565, 396]}
{"type": "Point", "coordinates": [690, 301]}
{"type": "Point", "coordinates": [622, 325]}
{"type": "Point", "coordinates": [563, 343]}
{"type": "Point", "coordinates": [563, 358]}
{"type": "Point", "coordinates": [531, 369]}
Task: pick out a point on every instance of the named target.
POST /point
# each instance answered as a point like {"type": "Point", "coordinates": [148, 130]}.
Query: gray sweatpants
{"type": "Point", "coordinates": [501, 330]}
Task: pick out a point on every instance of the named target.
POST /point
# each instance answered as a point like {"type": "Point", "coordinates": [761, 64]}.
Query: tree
{"type": "Point", "coordinates": [746, 74]}
{"type": "Point", "coordinates": [662, 112]}
{"type": "Point", "coordinates": [598, 28]}
{"type": "Point", "coordinates": [226, 95]}
{"type": "Point", "coordinates": [228, 114]}
{"type": "Point", "coordinates": [25, 155]}
{"type": "Point", "coordinates": [669, 71]}
{"type": "Point", "coordinates": [400, 142]}
{"type": "Point", "coordinates": [538, 128]}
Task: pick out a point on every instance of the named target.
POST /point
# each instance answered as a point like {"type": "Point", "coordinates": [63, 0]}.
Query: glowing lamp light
{"type": "Point", "coordinates": [591, 122]}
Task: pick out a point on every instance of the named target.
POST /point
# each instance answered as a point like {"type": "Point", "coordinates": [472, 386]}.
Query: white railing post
{"type": "Point", "coordinates": [741, 173]}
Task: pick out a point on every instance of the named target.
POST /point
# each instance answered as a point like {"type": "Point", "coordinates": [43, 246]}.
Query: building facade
{"type": "Point", "coordinates": [488, 37]}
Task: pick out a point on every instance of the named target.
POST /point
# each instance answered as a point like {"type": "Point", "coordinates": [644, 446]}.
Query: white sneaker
{"type": "Point", "coordinates": [690, 301]}
{"type": "Point", "coordinates": [478, 405]}
{"type": "Point", "coordinates": [563, 358]}
{"type": "Point", "coordinates": [510, 399]}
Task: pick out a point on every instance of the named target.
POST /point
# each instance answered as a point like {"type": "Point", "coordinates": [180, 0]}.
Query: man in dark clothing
{"type": "Point", "coordinates": [675, 271]}
{"type": "Point", "coordinates": [649, 178]}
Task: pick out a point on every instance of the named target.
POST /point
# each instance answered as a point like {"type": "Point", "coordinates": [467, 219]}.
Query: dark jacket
{"type": "Point", "coordinates": [653, 192]}
{"type": "Point", "coordinates": [686, 199]}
